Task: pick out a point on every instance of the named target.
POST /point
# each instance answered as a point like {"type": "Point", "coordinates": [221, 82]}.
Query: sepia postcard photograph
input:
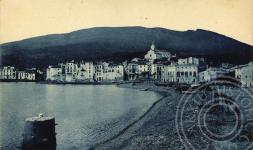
{"type": "Point", "coordinates": [126, 74]}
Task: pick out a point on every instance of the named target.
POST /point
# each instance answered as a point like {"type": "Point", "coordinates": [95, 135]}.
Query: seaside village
{"type": "Point", "coordinates": [156, 66]}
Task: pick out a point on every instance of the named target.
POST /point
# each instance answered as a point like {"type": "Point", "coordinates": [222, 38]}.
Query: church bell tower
{"type": "Point", "coordinates": [152, 47]}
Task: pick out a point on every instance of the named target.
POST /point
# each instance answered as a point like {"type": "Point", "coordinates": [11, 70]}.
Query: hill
{"type": "Point", "coordinates": [121, 43]}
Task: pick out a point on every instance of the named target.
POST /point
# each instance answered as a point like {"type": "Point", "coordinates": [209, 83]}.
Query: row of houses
{"type": "Point", "coordinates": [85, 71]}
{"type": "Point", "coordinates": [164, 71]}
{"type": "Point", "coordinates": [162, 66]}
{"type": "Point", "coordinates": [243, 73]}
{"type": "Point", "coordinates": [157, 65]}
{"type": "Point", "coordinates": [11, 73]}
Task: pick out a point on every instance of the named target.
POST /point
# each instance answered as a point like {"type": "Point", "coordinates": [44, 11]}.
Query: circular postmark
{"type": "Point", "coordinates": [216, 115]}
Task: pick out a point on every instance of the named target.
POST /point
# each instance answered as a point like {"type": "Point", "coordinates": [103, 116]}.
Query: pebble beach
{"type": "Point", "coordinates": [156, 128]}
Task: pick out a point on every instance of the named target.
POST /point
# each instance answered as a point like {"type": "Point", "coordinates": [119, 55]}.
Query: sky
{"type": "Point", "coordinates": [21, 19]}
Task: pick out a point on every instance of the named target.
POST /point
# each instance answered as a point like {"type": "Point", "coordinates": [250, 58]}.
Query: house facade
{"type": "Point", "coordinates": [114, 72]}
{"type": "Point", "coordinates": [189, 60]}
{"type": "Point", "coordinates": [187, 73]}
{"type": "Point", "coordinates": [244, 73]}
{"type": "Point", "coordinates": [169, 74]}
{"type": "Point", "coordinates": [180, 73]}
{"type": "Point", "coordinates": [71, 70]}
{"type": "Point", "coordinates": [85, 71]}
{"type": "Point", "coordinates": [132, 71]}
{"type": "Point", "coordinates": [54, 73]}
{"type": "Point", "coordinates": [26, 75]}
{"type": "Point", "coordinates": [8, 73]}
{"type": "Point", "coordinates": [211, 74]}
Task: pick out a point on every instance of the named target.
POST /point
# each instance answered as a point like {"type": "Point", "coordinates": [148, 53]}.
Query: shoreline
{"type": "Point", "coordinates": [146, 87]}
{"type": "Point", "coordinates": [156, 128]}
{"type": "Point", "coordinates": [165, 92]}
{"type": "Point", "coordinates": [63, 83]}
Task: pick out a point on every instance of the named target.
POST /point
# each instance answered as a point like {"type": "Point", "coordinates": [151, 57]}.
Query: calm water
{"type": "Point", "coordinates": [86, 114]}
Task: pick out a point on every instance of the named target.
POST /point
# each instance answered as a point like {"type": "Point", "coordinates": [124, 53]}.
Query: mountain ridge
{"type": "Point", "coordinates": [65, 33]}
{"type": "Point", "coordinates": [119, 43]}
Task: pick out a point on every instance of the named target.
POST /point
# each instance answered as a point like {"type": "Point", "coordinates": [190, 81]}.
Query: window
{"type": "Point", "coordinates": [186, 74]}
{"type": "Point", "coordinates": [178, 74]}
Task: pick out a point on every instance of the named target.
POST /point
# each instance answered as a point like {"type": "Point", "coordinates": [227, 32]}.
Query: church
{"type": "Point", "coordinates": [154, 54]}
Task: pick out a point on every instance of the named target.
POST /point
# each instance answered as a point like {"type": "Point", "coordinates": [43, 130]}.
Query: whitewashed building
{"type": "Point", "coordinates": [26, 75]}
{"type": "Point", "coordinates": [169, 74]}
{"type": "Point", "coordinates": [156, 70]}
{"type": "Point", "coordinates": [143, 67]}
{"type": "Point", "coordinates": [54, 73]}
{"type": "Point", "coordinates": [85, 71]}
{"type": "Point", "coordinates": [187, 73]}
{"type": "Point", "coordinates": [144, 70]}
{"type": "Point", "coordinates": [62, 72]}
{"type": "Point", "coordinates": [99, 72]}
{"type": "Point", "coordinates": [180, 73]}
{"type": "Point", "coordinates": [189, 60]}
{"type": "Point", "coordinates": [8, 73]}
{"type": "Point", "coordinates": [71, 70]}
{"type": "Point", "coordinates": [132, 71]}
{"type": "Point", "coordinates": [113, 72]}
{"type": "Point", "coordinates": [211, 74]}
{"type": "Point", "coordinates": [244, 73]}
{"type": "Point", "coordinates": [108, 72]}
